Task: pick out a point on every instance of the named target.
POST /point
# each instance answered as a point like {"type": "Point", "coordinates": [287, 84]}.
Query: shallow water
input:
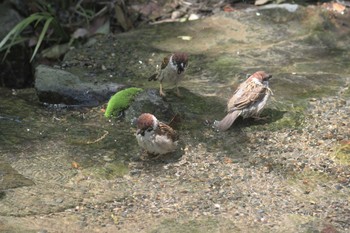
{"type": "Point", "coordinates": [59, 158]}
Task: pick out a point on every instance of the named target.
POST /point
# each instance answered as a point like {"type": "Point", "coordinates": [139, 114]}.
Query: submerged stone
{"type": "Point", "coordinates": [10, 178]}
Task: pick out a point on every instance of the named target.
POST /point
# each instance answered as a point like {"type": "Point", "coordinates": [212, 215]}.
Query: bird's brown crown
{"type": "Point", "coordinates": [180, 57]}
{"type": "Point", "coordinates": [180, 60]}
{"type": "Point", "coordinates": [145, 121]}
{"type": "Point", "coordinates": [261, 75]}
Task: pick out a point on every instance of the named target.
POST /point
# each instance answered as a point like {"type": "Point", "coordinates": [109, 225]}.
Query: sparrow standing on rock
{"type": "Point", "coordinates": [154, 136]}
{"type": "Point", "coordinates": [248, 100]}
{"type": "Point", "coordinates": [172, 71]}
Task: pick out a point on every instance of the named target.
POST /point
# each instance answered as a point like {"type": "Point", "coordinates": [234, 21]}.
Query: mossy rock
{"type": "Point", "coordinates": [121, 101]}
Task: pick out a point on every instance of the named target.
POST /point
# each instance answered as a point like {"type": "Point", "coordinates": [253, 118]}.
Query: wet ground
{"type": "Point", "coordinates": [66, 170]}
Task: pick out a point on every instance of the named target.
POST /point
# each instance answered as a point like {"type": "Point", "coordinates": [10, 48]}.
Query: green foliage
{"type": "Point", "coordinates": [52, 24]}
{"type": "Point", "coordinates": [14, 37]}
{"type": "Point", "coordinates": [121, 101]}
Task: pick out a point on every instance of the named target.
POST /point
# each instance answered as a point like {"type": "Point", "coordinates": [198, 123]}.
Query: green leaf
{"type": "Point", "coordinates": [13, 36]}
{"type": "Point", "coordinates": [41, 37]}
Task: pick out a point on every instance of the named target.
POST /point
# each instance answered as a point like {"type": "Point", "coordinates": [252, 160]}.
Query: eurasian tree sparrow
{"type": "Point", "coordinates": [154, 136]}
{"type": "Point", "coordinates": [171, 71]}
{"type": "Point", "coordinates": [248, 100]}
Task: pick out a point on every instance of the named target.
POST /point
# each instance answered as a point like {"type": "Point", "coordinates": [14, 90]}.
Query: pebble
{"type": "Point", "coordinates": [59, 200]}
{"type": "Point", "coordinates": [260, 211]}
{"type": "Point", "coordinates": [338, 187]}
{"type": "Point", "coordinates": [42, 231]}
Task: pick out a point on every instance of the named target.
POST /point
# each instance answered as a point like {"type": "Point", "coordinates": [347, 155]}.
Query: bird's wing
{"type": "Point", "coordinates": [246, 94]}
{"type": "Point", "coordinates": [165, 62]}
{"type": "Point", "coordinates": [165, 129]}
{"type": "Point", "coordinates": [162, 67]}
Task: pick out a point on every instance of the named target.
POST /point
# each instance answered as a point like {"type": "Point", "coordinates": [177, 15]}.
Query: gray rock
{"type": "Point", "coordinates": [150, 101]}
{"type": "Point", "coordinates": [9, 18]}
{"type": "Point", "coordinates": [55, 86]}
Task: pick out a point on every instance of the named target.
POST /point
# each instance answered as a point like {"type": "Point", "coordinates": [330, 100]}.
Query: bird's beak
{"type": "Point", "coordinates": [181, 68]}
{"type": "Point", "coordinates": [269, 77]}
{"type": "Point", "coordinates": [140, 131]}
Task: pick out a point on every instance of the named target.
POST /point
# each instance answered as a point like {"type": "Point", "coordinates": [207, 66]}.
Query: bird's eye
{"type": "Point", "coordinates": [149, 129]}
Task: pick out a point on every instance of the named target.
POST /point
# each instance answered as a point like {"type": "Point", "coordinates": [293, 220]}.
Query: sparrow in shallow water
{"type": "Point", "coordinates": [154, 136]}
{"type": "Point", "coordinates": [248, 100]}
{"type": "Point", "coordinates": [171, 71]}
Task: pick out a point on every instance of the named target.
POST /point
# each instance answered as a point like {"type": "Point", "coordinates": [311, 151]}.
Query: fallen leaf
{"type": "Point", "coordinates": [122, 19]}
{"type": "Point", "coordinates": [334, 6]}
{"type": "Point", "coordinates": [228, 8]}
{"type": "Point", "coordinates": [345, 142]}
{"type": "Point", "coordinates": [55, 51]}
{"type": "Point", "coordinates": [115, 219]}
{"type": "Point", "coordinates": [227, 160]}
{"type": "Point", "coordinates": [261, 2]}
{"type": "Point", "coordinates": [80, 33]}
{"type": "Point", "coordinates": [151, 9]}
{"type": "Point", "coordinates": [185, 37]}
{"type": "Point", "coordinates": [75, 165]}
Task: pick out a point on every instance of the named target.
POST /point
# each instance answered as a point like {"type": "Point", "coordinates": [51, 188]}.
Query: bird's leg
{"type": "Point", "coordinates": [260, 118]}
{"type": "Point", "coordinates": [178, 91]}
{"type": "Point", "coordinates": [143, 154]}
{"type": "Point", "coordinates": [154, 157]}
{"type": "Point", "coordinates": [161, 90]}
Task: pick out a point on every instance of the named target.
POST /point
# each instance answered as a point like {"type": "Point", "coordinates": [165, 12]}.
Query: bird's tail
{"type": "Point", "coordinates": [228, 120]}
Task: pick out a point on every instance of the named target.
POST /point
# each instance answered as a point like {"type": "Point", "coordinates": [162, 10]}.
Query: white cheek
{"type": "Point", "coordinates": [256, 81]}
{"type": "Point", "coordinates": [148, 134]}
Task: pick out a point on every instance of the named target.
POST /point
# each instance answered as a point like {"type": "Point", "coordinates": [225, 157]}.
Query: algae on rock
{"type": "Point", "coordinates": [121, 101]}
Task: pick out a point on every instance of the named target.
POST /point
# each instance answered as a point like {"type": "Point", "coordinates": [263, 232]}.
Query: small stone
{"type": "Point", "coordinates": [175, 14]}
{"type": "Point", "coordinates": [193, 17]}
{"type": "Point", "coordinates": [135, 172]}
{"type": "Point", "coordinates": [338, 187]}
{"type": "Point", "coordinates": [42, 231]}
{"type": "Point", "coordinates": [107, 158]}
{"type": "Point", "coordinates": [261, 211]}
{"type": "Point", "coordinates": [59, 200]}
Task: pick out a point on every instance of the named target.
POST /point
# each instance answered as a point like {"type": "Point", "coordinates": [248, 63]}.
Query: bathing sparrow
{"type": "Point", "coordinates": [154, 136]}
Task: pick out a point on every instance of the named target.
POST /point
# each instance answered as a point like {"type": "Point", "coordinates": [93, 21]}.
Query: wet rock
{"type": "Point", "coordinates": [55, 86]}
{"type": "Point", "coordinates": [286, 6]}
{"type": "Point", "coordinates": [150, 101]}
